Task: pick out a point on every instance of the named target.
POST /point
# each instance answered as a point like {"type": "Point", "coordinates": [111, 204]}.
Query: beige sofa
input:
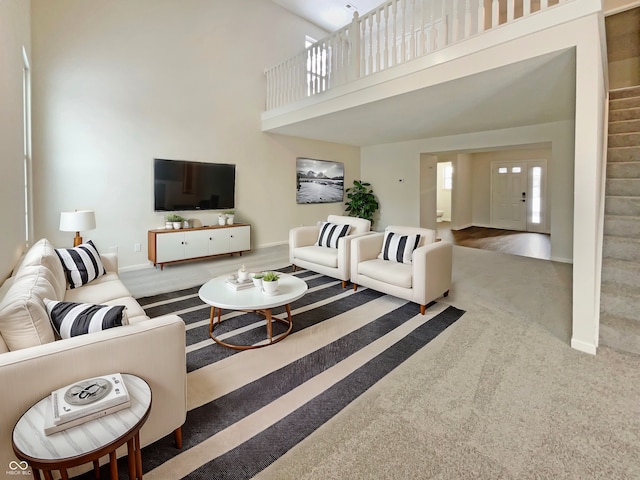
{"type": "Point", "coordinates": [333, 262]}
{"type": "Point", "coordinates": [425, 279]}
{"type": "Point", "coordinates": [33, 362]}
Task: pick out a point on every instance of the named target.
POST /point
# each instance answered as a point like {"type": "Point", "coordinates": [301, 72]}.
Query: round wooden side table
{"type": "Point", "coordinates": [87, 442]}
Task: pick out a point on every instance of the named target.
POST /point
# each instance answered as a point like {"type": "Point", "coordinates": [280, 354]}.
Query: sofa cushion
{"type": "Point", "coordinates": [393, 273]}
{"type": "Point", "coordinates": [330, 233]}
{"type": "Point", "coordinates": [318, 255]}
{"type": "Point", "coordinates": [398, 248]}
{"type": "Point", "coordinates": [71, 319]}
{"type": "Point", "coordinates": [24, 321]}
{"type": "Point", "coordinates": [135, 312]}
{"type": "Point", "coordinates": [82, 264]}
{"type": "Point", "coordinates": [43, 254]}
{"type": "Point", "coordinates": [101, 290]}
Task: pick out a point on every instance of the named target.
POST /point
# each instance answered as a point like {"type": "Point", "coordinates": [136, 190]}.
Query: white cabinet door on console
{"type": "Point", "coordinates": [169, 247]}
{"type": "Point", "coordinates": [240, 239]}
{"type": "Point", "coordinates": [196, 244]}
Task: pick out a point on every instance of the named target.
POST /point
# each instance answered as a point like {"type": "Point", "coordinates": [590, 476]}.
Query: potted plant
{"type": "Point", "coordinates": [229, 214]}
{"type": "Point", "coordinates": [175, 220]}
{"type": "Point", "coordinates": [270, 283]}
{"type": "Point", "coordinates": [257, 279]}
{"type": "Point", "coordinates": [222, 218]}
{"type": "Point", "coordinates": [361, 202]}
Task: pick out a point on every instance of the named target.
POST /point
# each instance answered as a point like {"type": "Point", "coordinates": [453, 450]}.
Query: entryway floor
{"type": "Point", "coordinates": [526, 244]}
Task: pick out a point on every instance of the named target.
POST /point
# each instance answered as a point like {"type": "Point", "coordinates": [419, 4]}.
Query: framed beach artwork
{"type": "Point", "coordinates": [319, 181]}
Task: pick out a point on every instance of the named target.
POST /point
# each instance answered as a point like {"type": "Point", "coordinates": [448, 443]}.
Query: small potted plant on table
{"type": "Point", "coordinates": [270, 283]}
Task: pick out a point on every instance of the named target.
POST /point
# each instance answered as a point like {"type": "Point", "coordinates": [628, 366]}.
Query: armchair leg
{"type": "Point", "coordinates": [423, 308]}
{"type": "Point", "coordinates": [344, 284]}
{"type": "Point", "coordinates": [177, 436]}
{"type": "Point", "coordinates": [446, 294]}
{"type": "Point", "coordinates": [293, 268]}
{"type": "Point", "coordinates": [355, 287]}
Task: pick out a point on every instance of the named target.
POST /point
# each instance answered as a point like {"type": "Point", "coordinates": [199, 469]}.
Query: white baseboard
{"type": "Point", "coordinates": [583, 346]}
{"type": "Point", "coordinates": [132, 268]}
{"type": "Point", "coordinates": [561, 260]}
{"type": "Point", "coordinates": [462, 227]}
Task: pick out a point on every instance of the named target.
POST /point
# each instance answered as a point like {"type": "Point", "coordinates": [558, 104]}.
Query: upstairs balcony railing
{"type": "Point", "coordinates": [396, 32]}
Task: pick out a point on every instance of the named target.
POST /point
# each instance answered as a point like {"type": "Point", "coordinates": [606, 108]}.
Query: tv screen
{"type": "Point", "coordinates": [184, 185]}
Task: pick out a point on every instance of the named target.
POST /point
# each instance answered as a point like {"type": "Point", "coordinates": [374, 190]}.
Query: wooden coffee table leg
{"type": "Point", "coordinates": [136, 442]}
{"type": "Point", "coordinates": [131, 458]}
{"type": "Point", "coordinates": [267, 314]}
{"type": "Point", "coordinates": [96, 468]}
{"type": "Point", "coordinates": [113, 465]}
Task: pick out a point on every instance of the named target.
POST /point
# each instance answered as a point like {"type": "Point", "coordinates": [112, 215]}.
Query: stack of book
{"type": "Point", "coordinates": [237, 284]}
{"type": "Point", "coordinates": [86, 400]}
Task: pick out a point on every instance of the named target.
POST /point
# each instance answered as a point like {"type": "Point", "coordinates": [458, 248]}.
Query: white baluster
{"type": "Point", "coordinates": [404, 31]}
{"type": "Point", "coordinates": [467, 19]}
{"type": "Point", "coordinates": [386, 36]}
{"type": "Point", "coordinates": [510, 10]}
{"type": "Point", "coordinates": [544, 4]}
{"type": "Point", "coordinates": [526, 7]}
{"type": "Point", "coordinates": [370, 69]}
{"type": "Point", "coordinates": [481, 16]}
{"type": "Point", "coordinates": [456, 22]}
{"type": "Point", "coordinates": [495, 14]}
{"type": "Point", "coordinates": [412, 30]}
{"type": "Point", "coordinates": [394, 38]}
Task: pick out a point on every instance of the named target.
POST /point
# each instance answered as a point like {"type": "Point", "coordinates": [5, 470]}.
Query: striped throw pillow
{"type": "Point", "coordinates": [70, 319]}
{"type": "Point", "coordinates": [81, 264]}
{"type": "Point", "coordinates": [398, 248]}
{"type": "Point", "coordinates": [330, 233]}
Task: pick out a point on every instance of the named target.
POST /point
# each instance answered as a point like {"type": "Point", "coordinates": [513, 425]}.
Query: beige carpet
{"type": "Point", "coordinates": [498, 395]}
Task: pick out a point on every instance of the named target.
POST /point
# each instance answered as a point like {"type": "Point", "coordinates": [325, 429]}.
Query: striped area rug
{"type": "Point", "coordinates": [253, 406]}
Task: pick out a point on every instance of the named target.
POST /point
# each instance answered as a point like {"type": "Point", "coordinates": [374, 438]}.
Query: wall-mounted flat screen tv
{"type": "Point", "coordinates": [186, 185]}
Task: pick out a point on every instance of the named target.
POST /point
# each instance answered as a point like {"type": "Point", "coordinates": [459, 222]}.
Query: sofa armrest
{"type": "Point", "coordinates": [302, 237]}
{"type": "Point", "coordinates": [110, 262]}
{"type": "Point", "coordinates": [365, 247]}
{"type": "Point", "coordinates": [153, 350]}
{"type": "Point", "coordinates": [432, 265]}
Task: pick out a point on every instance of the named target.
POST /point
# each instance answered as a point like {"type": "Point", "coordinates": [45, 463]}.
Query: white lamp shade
{"type": "Point", "coordinates": [77, 221]}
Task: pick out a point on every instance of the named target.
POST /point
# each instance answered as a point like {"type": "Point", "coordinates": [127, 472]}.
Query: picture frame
{"type": "Point", "coordinates": [319, 181]}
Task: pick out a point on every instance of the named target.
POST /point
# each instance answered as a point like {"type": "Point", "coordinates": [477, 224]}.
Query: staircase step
{"type": "Point", "coordinates": [624, 114]}
{"type": "Point", "coordinates": [624, 140]}
{"type": "Point", "coordinates": [627, 102]}
{"type": "Point", "coordinates": [627, 187]}
{"type": "Point", "coordinates": [621, 272]}
{"type": "Point", "coordinates": [622, 226]}
{"type": "Point", "coordinates": [624, 92]}
{"type": "Point", "coordinates": [623, 154]}
{"type": "Point", "coordinates": [619, 205]}
{"type": "Point", "coordinates": [619, 333]}
{"type": "Point", "coordinates": [621, 301]}
{"type": "Point", "coordinates": [623, 170]}
{"type": "Point", "coordinates": [621, 248]}
{"type": "Point", "coordinates": [624, 126]}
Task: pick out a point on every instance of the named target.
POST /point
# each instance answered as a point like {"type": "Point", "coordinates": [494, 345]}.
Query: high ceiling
{"type": "Point", "coordinates": [330, 15]}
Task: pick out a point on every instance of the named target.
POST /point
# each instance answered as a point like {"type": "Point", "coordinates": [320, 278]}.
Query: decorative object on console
{"type": "Point", "coordinates": [77, 221]}
{"type": "Point", "coordinates": [70, 319]}
{"type": "Point", "coordinates": [361, 201]}
{"type": "Point", "coordinates": [270, 283]}
{"type": "Point", "coordinates": [81, 264]}
{"type": "Point", "coordinates": [319, 181]}
{"type": "Point", "coordinates": [222, 219]}
{"type": "Point", "coordinates": [174, 221]}
{"type": "Point", "coordinates": [229, 214]}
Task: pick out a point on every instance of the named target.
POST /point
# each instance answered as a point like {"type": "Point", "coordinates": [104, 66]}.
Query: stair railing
{"type": "Point", "coordinates": [394, 33]}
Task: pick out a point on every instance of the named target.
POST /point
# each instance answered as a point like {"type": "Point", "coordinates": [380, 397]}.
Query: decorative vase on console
{"type": "Point", "coordinates": [229, 214]}
{"type": "Point", "coordinates": [222, 219]}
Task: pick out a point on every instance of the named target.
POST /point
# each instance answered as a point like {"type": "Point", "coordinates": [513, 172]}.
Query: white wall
{"type": "Point", "coordinates": [444, 195]}
{"type": "Point", "coordinates": [14, 34]}
{"type": "Point", "coordinates": [119, 83]}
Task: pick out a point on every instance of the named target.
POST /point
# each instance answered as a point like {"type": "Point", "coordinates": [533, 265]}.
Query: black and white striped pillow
{"type": "Point", "coordinates": [330, 233]}
{"type": "Point", "coordinates": [81, 264]}
{"type": "Point", "coordinates": [398, 248]}
{"type": "Point", "coordinates": [70, 319]}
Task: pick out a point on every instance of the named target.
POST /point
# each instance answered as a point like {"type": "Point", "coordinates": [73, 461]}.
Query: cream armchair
{"type": "Point", "coordinates": [425, 279]}
{"type": "Point", "coordinates": [304, 251]}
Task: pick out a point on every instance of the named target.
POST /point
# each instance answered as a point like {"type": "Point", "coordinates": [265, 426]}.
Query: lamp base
{"type": "Point", "coordinates": [77, 240]}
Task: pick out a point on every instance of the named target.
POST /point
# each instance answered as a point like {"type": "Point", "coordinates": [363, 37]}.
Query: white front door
{"type": "Point", "coordinates": [509, 195]}
{"type": "Point", "coordinates": [519, 196]}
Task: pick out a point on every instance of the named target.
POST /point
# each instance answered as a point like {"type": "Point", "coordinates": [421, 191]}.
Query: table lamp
{"type": "Point", "coordinates": [76, 222]}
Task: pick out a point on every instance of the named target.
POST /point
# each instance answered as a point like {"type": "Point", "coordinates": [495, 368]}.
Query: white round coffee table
{"type": "Point", "coordinates": [220, 296]}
